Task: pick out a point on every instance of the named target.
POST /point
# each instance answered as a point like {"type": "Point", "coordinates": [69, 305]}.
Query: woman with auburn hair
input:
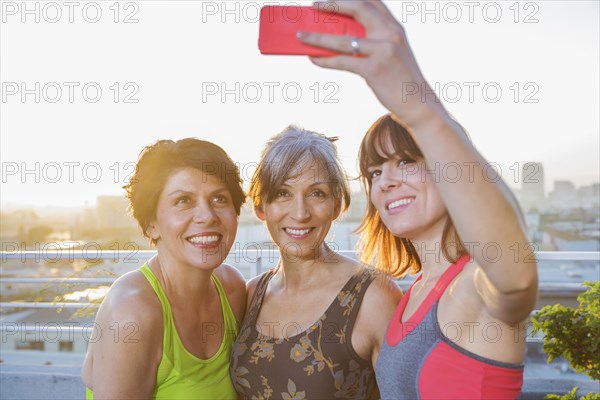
{"type": "Point", "coordinates": [309, 331]}
{"type": "Point", "coordinates": [166, 330]}
{"type": "Point", "coordinates": [459, 331]}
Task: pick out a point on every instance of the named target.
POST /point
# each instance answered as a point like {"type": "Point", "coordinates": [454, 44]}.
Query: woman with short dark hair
{"type": "Point", "coordinates": [166, 330]}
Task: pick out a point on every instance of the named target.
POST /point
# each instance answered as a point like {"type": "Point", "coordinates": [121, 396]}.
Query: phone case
{"type": "Point", "coordinates": [279, 24]}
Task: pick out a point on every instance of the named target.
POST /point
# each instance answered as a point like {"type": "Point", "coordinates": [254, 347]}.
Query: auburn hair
{"type": "Point", "coordinates": [377, 245]}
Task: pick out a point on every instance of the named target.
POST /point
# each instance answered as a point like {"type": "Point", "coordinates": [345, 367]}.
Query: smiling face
{"type": "Point", "coordinates": [300, 215]}
{"type": "Point", "coordinates": [196, 222]}
{"type": "Point", "coordinates": [405, 195]}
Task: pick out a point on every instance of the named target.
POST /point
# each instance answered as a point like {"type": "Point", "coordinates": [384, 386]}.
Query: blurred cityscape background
{"type": "Point", "coordinates": [38, 266]}
{"type": "Point", "coordinates": [567, 218]}
{"type": "Point", "coordinates": [166, 70]}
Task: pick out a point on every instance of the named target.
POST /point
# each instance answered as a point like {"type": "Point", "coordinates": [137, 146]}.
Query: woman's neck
{"type": "Point", "coordinates": [182, 284]}
{"type": "Point", "coordinates": [297, 274]}
{"type": "Point", "coordinates": [429, 246]}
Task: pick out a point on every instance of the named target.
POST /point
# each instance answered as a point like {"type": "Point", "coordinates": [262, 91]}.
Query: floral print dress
{"type": "Point", "coordinates": [318, 363]}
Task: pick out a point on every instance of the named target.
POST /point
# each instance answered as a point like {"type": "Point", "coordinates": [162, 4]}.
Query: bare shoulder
{"type": "Point", "coordinates": [383, 294]}
{"type": "Point", "coordinates": [377, 309]}
{"type": "Point", "coordinates": [345, 268]}
{"type": "Point", "coordinates": [235, 288]}
{"type": "Point", "coordinates": [127, 340]}
{"type": "Point", "coordinates": [230, 277]}
{"type": "Point", "coordinates": [251, 285]}
{"type": "Point", "coordinates": [132, 297]}
{"type": "Point", "coordinates": [383, 290]}
{"type": "Point", "coordinates": [132, 305]}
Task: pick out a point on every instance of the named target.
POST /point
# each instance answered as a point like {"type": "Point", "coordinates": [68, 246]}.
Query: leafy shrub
{"type": "Point", "coordinates": [574, 334]}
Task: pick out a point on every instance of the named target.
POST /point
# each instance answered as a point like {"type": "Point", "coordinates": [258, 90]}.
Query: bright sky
{"type": "Point", "coordinates": [522, 77]}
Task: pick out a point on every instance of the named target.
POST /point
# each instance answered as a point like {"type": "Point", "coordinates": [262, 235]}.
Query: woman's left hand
{"type": "Point", "coordinates": [386, 60]}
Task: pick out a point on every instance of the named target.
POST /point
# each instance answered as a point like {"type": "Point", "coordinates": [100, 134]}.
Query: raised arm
{"type": "Point", "coordinates": [126, 345]}
{"type": "Point", "coordinates": [481, 206]}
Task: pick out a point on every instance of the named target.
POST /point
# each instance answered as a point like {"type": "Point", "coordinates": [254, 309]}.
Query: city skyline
{"type": "Point", "coordinates": [530, 178]}
{"type": "Point", "coordinates": [81, 98]}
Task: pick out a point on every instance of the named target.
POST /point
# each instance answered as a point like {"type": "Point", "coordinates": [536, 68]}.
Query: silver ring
{"type": "Point", "coordinates": [355, 45]}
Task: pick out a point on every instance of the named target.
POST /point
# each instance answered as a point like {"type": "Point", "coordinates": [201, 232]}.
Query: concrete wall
{"type": "Point", "coordinates": [59, 386]}
{"type": "Point", "coordinates": [37, 385]}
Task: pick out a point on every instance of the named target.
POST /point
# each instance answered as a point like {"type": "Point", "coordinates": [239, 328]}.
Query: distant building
{"type": "Point", "coordinates": [532, 193]}
{"type": "Point", "coordinates": [589, 196]}
{"type": "Point", "coordinates": [16, 223]}
{"type": "Point", "coordinates": [112, 212]}
{"type": "Point", "coordinates": [564, 195]}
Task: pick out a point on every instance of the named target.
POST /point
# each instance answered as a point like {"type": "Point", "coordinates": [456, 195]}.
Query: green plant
{"type": "Point", "coordinates": [574, 334]}
{"type": "Point", "coordinates": [573, 396]}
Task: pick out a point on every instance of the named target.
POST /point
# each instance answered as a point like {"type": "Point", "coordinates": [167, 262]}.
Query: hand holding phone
{"type": "Point", "coordinates": [280, 24]}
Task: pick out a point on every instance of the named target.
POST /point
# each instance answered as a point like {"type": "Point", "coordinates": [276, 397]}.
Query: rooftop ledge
{"type": "Point", "coordinates": [31, 374]}
{"type": "Point", "coordinates": [64, 383]}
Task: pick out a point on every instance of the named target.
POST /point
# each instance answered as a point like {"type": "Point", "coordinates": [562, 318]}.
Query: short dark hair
{"type": "Point", "coordinates": [159, 160]}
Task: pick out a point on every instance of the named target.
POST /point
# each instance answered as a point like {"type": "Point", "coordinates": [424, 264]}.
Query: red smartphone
{"type": "Point", "coordinates": [279, 25]}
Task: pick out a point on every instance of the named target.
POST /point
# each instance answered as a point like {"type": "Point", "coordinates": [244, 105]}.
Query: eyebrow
{"type": "Point", "coordinates": [374, 164]}
{"type": "Point", "coordinates": [311, 185]}
{"type": "Point", "coordinates": [180, 192]}
{"type": "Point", "coordinates": [391, 157]}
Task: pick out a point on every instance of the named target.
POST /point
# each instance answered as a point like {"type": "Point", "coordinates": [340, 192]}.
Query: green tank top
{"type": "Point", "coordinates": [180, 374]}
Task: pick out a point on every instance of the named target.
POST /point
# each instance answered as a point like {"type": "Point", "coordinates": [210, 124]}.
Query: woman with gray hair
{"type": "Point", "coordinates": [308, 332]}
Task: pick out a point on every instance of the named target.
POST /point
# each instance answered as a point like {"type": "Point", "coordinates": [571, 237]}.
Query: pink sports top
{"type": "Point", "coordinates": [417, 361]}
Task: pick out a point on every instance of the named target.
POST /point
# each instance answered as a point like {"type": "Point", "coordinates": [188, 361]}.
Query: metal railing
{"type": "Point", "coordinates": [255, 269]}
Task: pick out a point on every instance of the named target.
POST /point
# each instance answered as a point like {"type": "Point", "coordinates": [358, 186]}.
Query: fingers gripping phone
{"type": "Point", "coordinates": [279, 25]}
